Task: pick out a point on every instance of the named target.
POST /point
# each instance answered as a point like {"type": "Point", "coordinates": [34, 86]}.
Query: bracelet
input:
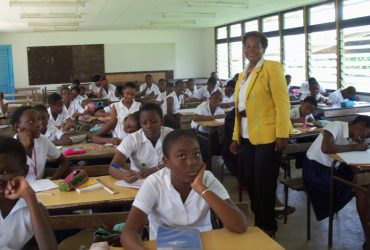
{"type": "Point", "coordinates": [205, 191]}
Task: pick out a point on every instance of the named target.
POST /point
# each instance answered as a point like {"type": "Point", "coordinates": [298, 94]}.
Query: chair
{"type": "Point", "coordinates": [297, 185]}
{"type": "Point", "coordinates": [290, 153]}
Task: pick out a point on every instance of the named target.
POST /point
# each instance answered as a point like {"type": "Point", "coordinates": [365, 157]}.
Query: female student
{"type": "Point", "coordinates": [131, 124]}
{"type": "Point", "coordinates": [172, 105]}
{"type": "Point", "coordinates": [303, 112]}
{"type": "Point", "coordinates": [3, 104]}
{"type": "Point", "coordinates": [144, 147]}
{"type": "Point", "coordinates": [72, 109]}
{"type": "Point", "coordinates": [26, 122]}
{"type": "Point", "coordinates": [57, 115]}
{"type": "Point", "coordinates": [21, 216]}
{"type": "Point", "coordinates": [180, 195]}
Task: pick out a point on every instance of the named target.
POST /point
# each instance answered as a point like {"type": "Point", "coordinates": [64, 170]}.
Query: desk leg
{"type": "Point", "coordinates": [331, 204]}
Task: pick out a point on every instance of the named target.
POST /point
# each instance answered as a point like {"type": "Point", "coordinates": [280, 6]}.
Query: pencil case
{"type": "Point", "coordinates": [75, 179]}
{"type": "Point", "coordinates": [71, 151]}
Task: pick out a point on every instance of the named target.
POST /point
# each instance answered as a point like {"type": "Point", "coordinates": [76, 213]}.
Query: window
{"type": "Point", "coordinates": [322, 14]}
{"type": "Point", "coordinates": [251, 26]}
{"type": "Point", "coordinates": [235, 30]}
{"type": "Point", "coordinates": [356, 58]}
{"type": "Point", "coordinates": [222, 60]}
{"type": "Point", "coordinates": [323, 58]}
{"type": "Point", "coordinates": [273, 49]}
{"type": "Point", "coordinates": [295, 58]}
{"type": "Point", "coordinates": [221, 33]}
{"type": "Point", "coordinates": [293, 19]}
{"type": "Point", "coordinates": [270, 23]}
{"type": "Point", "coordinates": [236, 57]}
{"type": "Point", "coordinates": [355, 8]}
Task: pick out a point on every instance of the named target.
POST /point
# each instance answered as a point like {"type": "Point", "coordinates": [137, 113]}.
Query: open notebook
{"type": "Point", "coordinates": [356, 158]}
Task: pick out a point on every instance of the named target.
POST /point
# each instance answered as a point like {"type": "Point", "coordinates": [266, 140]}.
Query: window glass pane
{"type": "Point", "coordinates": [356, 58]}
{"type": "Point", "coordinates": [221, 33]}
{"type": "Point", "coordinates": [293, 19]}
{"type": "Point", "coordinates": [235, 30]}
{"type": "Point", "coordinates": [322, 14]}
{"type": "Point", "coordinates": [355, 8]}
{"type": "Point", "coordinates": [273, 49]}
{"type": "Point", "coordinates": [270, 23]}
{"type": "Point", "coordinates": [294, 58]}
{"type": "Point", "coordinates": [251, 26]}
{"type": "Point", "coordinates": [323, 58]}
{"type": "Point", "coordinates": [222, 60]}
{"type": "Point", "coordinates": [236, 57]}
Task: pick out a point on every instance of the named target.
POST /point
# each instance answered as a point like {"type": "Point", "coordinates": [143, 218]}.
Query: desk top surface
{"type": "Point", "coordinates": [221, 239]}
{"type": "Point", "coordinates": [56, 199]}
{"type": "Point", "coordinates": [363, 113]}
{"type": "Point", "coordinates": [94, 151]}
{"type": "Point", "coordinates": [325, 107]}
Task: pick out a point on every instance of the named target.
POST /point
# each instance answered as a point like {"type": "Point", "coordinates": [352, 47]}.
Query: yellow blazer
{"type": "Point", "coordinates": [267, 105]}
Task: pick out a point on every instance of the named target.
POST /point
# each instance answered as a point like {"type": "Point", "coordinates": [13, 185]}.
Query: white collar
{"type": "Point", "coordinates": [258, 65]}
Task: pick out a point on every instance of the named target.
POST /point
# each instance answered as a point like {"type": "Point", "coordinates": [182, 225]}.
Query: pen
{"type": "Point", "coordinates": [118, 167]}
{"type": "Point", "coordinates": [107, 188]}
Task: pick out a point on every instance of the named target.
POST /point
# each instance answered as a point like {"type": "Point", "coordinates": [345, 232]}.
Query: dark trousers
{"type": "Point", "coordinates": [261, 166]}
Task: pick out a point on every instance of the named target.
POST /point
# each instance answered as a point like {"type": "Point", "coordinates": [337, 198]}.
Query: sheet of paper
{"type": "Point", "coordinates": [137, 184]}
{"type": "Point", "coordinates": [356, 157]}
{"type": "Point", "coordinates": [42, 185]}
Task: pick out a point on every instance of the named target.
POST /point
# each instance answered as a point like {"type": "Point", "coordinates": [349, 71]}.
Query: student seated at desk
{"type": "Point", "coordinates": [83, 93]}
{"type": "Point", "coordinates": [71, 108]}
{"type": "Point", "coordinates": [131, 124]}
{"type": "Point", "coordinates": [303, 112]}
{"type": "Point", "coordinates": [181, 195]}
{"type": "Point", "coordinates": [172, 105]}
{"type": "Point", "coordinates": [228, 99]}
{"type": "Point", "coordinates": [144, 147]}
{"type": "Point", "coordinates": [314, 88]}
{"type": "Point", "coordinates": [57, 115]}
{"type": "Point", "coordinates": [337, 137]}
{"type": "Point", "coordinates": [190, 91]}
{"type": "Point", "coordinates": [26, 122]}
{"type": "Point", "coordinates": [304, 89]}
{"type": "Point", "coordinates": [148, 89]}
{"type": "Point", "coordinates": [21, 216]}
{"type": "Point", "coordinates": [204, 93]}
{"type": "Point", "coordinates": [339, 95]}
{"type": "Point", "coordinates": [219, 83]}
{"type": "Point", "coordinates": [3, 105]}
{"type": "Point", "coordinates": [101, 88]}
{"type": "Point", "coordinates": [54, 134]}
{"type": "Point", "coordinates": [77, 99]}
{"type": "Point", "coordinates": [116, 95]}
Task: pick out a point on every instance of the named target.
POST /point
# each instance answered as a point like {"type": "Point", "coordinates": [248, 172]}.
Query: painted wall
{"type": "Point", "coordinates": [193, 49]}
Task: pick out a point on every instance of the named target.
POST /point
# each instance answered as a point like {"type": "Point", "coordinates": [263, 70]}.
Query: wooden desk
{"type": "Point", "coordinates": [364, 113]}
{"type": "Point", "coordinates": [221, 239]}
{"type": "Point", "coordinates": [214, 123]}
{"type": "Point", "coordinates": [63, 201]}
{"type": "Point", "coordinates": [94, 151]}
{"type": "Point", "coordinates": [336, 113]}
{"type": "Point", "coordinates": [300, 132]}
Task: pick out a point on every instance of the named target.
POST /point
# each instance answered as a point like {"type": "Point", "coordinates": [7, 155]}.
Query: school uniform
{"type": "Point", "coordinates": [78, 100]}
{"type": "Point", "coordinates": [42, 149]}
{"type": "Point", "coordinates": [295, 114]}
{"type": "Point", "coordinates": [53, 133]}
{"type": "Point", "coordinates": [336, 97]}
{"type": "Point", "coordinates": [316, 172]}
{"type": "Point", "coordinates": [16, 229]}
{"type": "Point", "coordinates": [73, 108]}
{"type": "Point", "coordinates": [191, 94]}
{"type": "Point", "coordinates": [153, 88]}
{"type": "Point", "coordinates": [158, 199]}
{"type": "Point", "coordinates": [108, 109]}
{"type": "Point", "coordinates": [177, 101]}
{"type": "Point", "coordinates": [5, 103]}
{"type": "Point", "coordinates": [58, 122]}
{"type": "Point", "coordinates": [122, 112]}
{"type": "Point", "coordinates": [317, 97]}
{"type": "Point", "coordinates": [94, 88]}
{"type": "Point", "coordinates": [140, 150]}
{"type": "Point", "coordinates": [112, 97]}
{"type": "Point", "coordinates": [204, 109]}
{"type": "Point", "coordinates": [203, 92]}
{"type": "Point", "coordinates": [228, 99]}
{"type": "Point", "coordinates": [304, 90]}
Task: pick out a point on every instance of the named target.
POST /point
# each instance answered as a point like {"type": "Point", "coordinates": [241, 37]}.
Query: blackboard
{"type": "Point", "coordinates": [63, 64]}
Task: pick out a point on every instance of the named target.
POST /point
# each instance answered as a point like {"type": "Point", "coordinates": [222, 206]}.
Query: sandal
{"type": "Point", "coordinates": [279, 214]}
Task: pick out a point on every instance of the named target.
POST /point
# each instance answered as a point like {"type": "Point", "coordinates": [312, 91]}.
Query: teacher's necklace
{"type": "Point", "coordinates": [249, 70]}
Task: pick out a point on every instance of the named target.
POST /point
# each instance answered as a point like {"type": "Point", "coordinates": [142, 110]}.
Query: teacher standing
{"type": "Point", "coordinates": [262, 126]}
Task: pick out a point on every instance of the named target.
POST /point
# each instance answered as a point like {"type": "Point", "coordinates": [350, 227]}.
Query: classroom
{"type": "Point", "coordinates": [133, 124]}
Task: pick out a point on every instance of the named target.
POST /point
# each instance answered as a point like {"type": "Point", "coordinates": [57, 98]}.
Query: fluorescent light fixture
{"type": "Point", "coordinates": [33, 24]}
{"type": "Point", "coordinates": [217, 4]}
{"type": "Point", "coordinates": [47, 3]}
{"type": "Point", "coordinates": [172, 23]}
{"type": "Point", "coordinates": [50, 15]}
{"type": "Point", "coordinates": [195, 15]}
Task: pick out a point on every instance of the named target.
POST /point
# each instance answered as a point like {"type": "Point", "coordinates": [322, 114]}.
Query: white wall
{"type": "Point", "coordinates": [193, 56]}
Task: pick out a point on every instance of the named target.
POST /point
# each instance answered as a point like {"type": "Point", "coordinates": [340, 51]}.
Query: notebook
{"type": "Point", "coordinates": [90, 185]}
{"type": "Point", "coordinates": [356, 158]}
{"type": "Point", "coordinates": [136, 184]}
{"type": "Point", "coordinates": [176, 239]}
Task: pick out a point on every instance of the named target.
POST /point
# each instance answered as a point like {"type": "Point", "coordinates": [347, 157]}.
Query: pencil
{"type": "Point", "coordinates": [107, 188]}
{"type": "Point", "coordinates": [46, 194]}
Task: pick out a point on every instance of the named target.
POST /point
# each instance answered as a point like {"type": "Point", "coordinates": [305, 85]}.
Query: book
{"type": "Point", "coordinates": [136, 184]}
{"type": "Point", "coordinates": [42, 185]}
{"type": "Point", "coordinates": [356, 158]}
{"type": "Point", "coordinates": [176, 239]}
{"type": "Point", "coordinates": [90, 185]}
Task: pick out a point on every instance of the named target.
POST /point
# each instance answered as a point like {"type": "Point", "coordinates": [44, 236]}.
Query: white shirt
{"type": "Point", "coordinates": [58, 122]}
{"type": "Point", "coordinates": [204, 109]}
{"type": "Point", "coordinates": [154, 88]}
{"type": "Point", "coordinates": [191, 94]}
{"type": "Point", "coordinates": [122, 112]}
{"type": "Point", "coordinates": [112, 97]}
{"type": "Point", "coordinates": [340, 133]}
{"type": "Point", "coordinates": [177, 101]}
{"type": "Point", "coordinates": [73, 108]}
{"type": "Point", "coordinates": [140, 150]}
{"type": "Point", "coordinates": [94, 88]}
{"type": "Point", "coordinates": [16, 229]}
{"type": "Point", "coordinates": [295, 114]}
{"type": "Point", "coordinates": [336, 97]}
{"type": "Point", "coordinates": [42, 149]}
{"type": "Point", "coordinates": [108, 109]}
{"type": "Point", "coordinates": [305, 89]}
{"type": "Point", "coordinates": [242, 98]}
{"type": "Point", "coordinates": [203, 92]}
{"type": "Point", "coordinates": [228, 99]}
{"type": "Point", "coordinates": [78, 100]}
{"type": "Point", "coordinates": [53, 133]}
{"type": "Point", "coordinates": [104, 93]}
{"type": "Point", "coordinates": [162, 203]}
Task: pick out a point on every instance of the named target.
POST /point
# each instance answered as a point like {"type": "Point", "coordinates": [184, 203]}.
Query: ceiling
{"type": "Point", "coordinates": [87, 15]}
